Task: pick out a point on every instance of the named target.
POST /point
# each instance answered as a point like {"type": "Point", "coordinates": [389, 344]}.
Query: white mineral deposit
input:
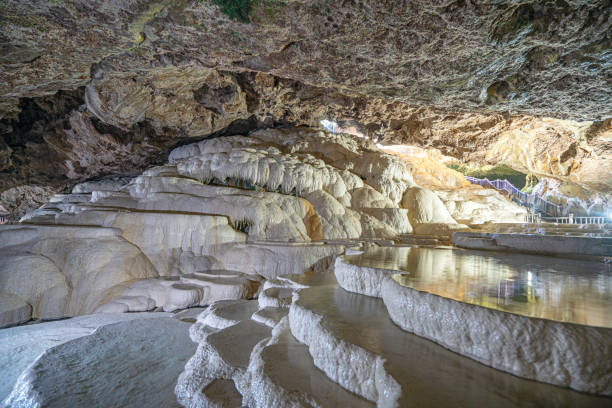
{"type": "Point", "coordinates": [291, 203]}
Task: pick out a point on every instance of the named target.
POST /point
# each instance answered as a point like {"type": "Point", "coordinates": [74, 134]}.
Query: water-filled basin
{"type": "Point", "coordinates": [565, 290]}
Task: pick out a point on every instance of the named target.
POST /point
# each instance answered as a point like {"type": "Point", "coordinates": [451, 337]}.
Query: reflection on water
{"type": "Point", "coordinates": [536, 286]}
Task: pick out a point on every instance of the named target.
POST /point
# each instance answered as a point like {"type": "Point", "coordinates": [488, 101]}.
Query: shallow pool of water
{"type": "Point", "coordinates": [558, 289]}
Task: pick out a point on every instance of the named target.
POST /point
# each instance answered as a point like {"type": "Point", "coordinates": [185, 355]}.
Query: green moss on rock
{"type": "Point", "coordinates": [236, 9]}
{"type": "Point", "coordinates": [241, 10]}
{"type": "Point", "coordinates": [500, 172]}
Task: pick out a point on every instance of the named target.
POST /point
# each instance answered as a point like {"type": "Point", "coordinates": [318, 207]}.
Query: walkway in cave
{"type": "Point", "coordinates": [533, 200]}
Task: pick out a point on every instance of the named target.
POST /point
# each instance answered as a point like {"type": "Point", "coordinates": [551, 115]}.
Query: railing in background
{"type": "Point", "coordinates": [533, 218]}
{"type": "Point", "coordinates": [577, 220]}
{"type": "Point", "coordinates": [552, 212]}
{"type": "Point", "coordinates": [526, 200]}
{"type": "Point", "coordinates": [4, 215]}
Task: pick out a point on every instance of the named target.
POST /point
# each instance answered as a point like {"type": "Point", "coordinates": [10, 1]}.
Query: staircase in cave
{"type": "Point", "coordinates": [531, 201]}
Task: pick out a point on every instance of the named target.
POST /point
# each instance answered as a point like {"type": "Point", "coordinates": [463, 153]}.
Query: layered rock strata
{"type": "Point", "coordinates": [345, 344]}
{"type": "Point", "coordinates": [202, 227]}
{"type": "Point", "coordinates": [58, 140]}
{"type": "Point", "coordinates": [589, 240]}
{"type": "Point", "coordinates": [528, 57]}
{"type": "Point", "coordinates": [91, 88]}
{"type": "Point", "coordinates": [497, 338]}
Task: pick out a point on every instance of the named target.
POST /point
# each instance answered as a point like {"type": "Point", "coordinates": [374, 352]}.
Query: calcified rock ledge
{"type": "Point", "coordinates": [233, 218]}
{"type": "Point", "coordinates": [332, 347]}
{"type": "Point", "coordinates": [176, 206]}
{"type": "Point", "coordinates": [203, 227]}
{"type": "Point", "coordinates": [524, 346]}
{"type": "Point", "coordinates": [554, 240]}
{"type": "Point", "coordinates": [94, 360]}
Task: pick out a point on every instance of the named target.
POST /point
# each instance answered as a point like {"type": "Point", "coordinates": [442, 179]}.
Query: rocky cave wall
{"type": "Point", "coordinates": [93, 88]}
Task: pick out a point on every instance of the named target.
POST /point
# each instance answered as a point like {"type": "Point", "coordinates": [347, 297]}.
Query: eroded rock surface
{"type": "Point", "coordinates": [96, 360]}
{"type": "Point", "coordinates": [224, 215]}
{"type": "Point", "coordinates": [333, 347]}
{"type": "Point", "coordinates": [97, 88]}
{"type": "Point", "coordinates": [187, 234]}
{"type": "Point", "coordinates": [530, 56]}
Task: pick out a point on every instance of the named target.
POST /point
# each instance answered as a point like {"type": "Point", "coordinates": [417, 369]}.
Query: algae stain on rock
{"type": "Point", "coordinates": [137, 27]}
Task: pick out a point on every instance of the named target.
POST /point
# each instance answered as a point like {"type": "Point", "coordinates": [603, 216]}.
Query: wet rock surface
{"type": "Point", "coordinates": [335, 347]}
{"type": "Point", "coordinates": [168, 156]}
{"type": "Point", "coordinates": [220, 218]}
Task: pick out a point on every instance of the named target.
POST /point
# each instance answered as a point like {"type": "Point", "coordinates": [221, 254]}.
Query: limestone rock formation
{"type": "Point", "coordinates": [324, 172]}
{"type": "Point", "coordinates": [280, 184]}
{"type": "Point", "coordinates": [438, 316]}
{"type": "Point", "coordinates": [582, 240]}
{"type": "Point", "coordinates": [175, 236]}
{"type": "Point", "coordinates": [186, 234]}
{"type": "Point", "coordinates": [75, 105]}
{"type": "Point", "coordinates": [196, 102]}
{"type": "Point", "coordinates": [334, 347]}
{"type": "Point", "coordinates": [466, 203]}
{"type": "Point", "coordinates": [577, 200]}
{"type": "Point", "coordinates": [96, 360]}
{"type": "Point", "coordinates": [244, 165]}
{"type": "Point", "coordinates": [24, 198]}
{"type": "Point", "coordinates": [427, 213]}
{"type": "Point", "coordinates": [528, 56]}
{"type": "Point", "coordinates": [474, 205]}
{"type": "Point", "coordinates": [65, 271]}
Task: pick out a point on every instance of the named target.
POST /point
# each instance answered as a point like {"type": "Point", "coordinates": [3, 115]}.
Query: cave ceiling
{"type": "Point", "coordinates": [91, 87]}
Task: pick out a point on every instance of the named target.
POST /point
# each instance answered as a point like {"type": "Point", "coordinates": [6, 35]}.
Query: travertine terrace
{"type": "Point", "coordinates": [290, 203]}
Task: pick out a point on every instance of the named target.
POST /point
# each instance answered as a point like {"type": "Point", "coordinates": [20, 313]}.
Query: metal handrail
{"type": "Point", "coordinates": [532, 200]}
{"type": "Point", "coordinates": [577, 220]}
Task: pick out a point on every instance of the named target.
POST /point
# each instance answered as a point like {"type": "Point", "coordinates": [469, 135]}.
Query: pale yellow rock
{"type": "Point", "coordinates": [428, 167]}
{"type": "Point", "coordinates": [424, 207]}
{"type": "Point", "coordinates": [395, 218]}
{"type": "Point", "coordinates": [337, 221]}
{"type": "Point", "coordinates": [367, 197]}
{"type": "Point", "coordinates": [476, 205]}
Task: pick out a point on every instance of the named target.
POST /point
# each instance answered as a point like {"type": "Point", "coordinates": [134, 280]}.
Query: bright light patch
{"type": "Point", "coordinates": [330, 126]}
{"type": "Point", "coordinates": [529, 278]}
{"type": "Point", "coordinates": [335, 128]}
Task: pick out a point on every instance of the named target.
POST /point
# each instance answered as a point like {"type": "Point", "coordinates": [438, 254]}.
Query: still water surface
{"type": "Point", "coordinates": [559, 289]}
